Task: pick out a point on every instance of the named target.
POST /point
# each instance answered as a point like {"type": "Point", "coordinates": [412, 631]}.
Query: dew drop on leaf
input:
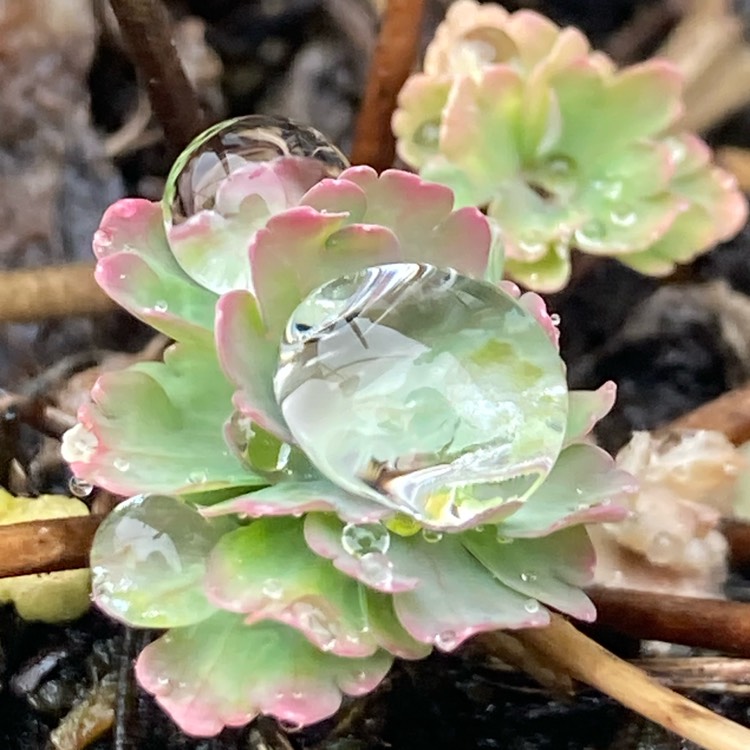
{"type": "Point", "coordinates": [229, 145]}
{"type": "Point", "coordinates": [148, 562]}
{"type": "Point", "coordinates": [360, 539]}
{"type": "Point", "coordinates": [121, 465]}
{"type": "Point", "coordinates": [431, 536]}
{"type": "Point", "coordinates": [447, 640]}
{"type": "Point", "coordinates": [428, 134]}
{"type": "Point", "coordinates": [460, 402]}
{"type": "Point", "coordinates": [80, 487]}
{"type": "Point", "coordinates": [531, 606]}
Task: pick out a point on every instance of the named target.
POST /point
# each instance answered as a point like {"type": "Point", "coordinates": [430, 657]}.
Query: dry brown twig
{"type": "Point", "coordinates": [392, 62]}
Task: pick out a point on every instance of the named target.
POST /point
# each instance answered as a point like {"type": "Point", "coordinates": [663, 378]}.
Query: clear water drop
{"type": "Point", "coordinates": [623, 216]}
{"type": "Point", "coordinates": [79, 444]}
{"type": "Point", "coordinates": [428, 134]}
{"type": "Point", "coordinates": [121, 464]}
{"type": "Point", "coordinates": [532, 606]}
{"type": "Point", "coordinates": [447, 640]}
{"type": "Point", "coordinates": [273, 588]}
{"type": "Point", "coordinates": [148, 562]}
{"type": "Point", "coordinates": [376, 570]}
{"type": "Point", "coordinates": [360, 539]}
{"type": "Point", "coordinates": [161, 306]}
{"type": "Point", "coordinates": [593, 233]}
{"type": "Point", "coordinates": [485, 45]}
{"type": "Point", "coordinates": [555, 318]}
{"type": "Point", "coordinates": [528, 577]}
{"type": "Point", "coordinates": [198, 477]}
{"type": "Point", "coordinates": [80, 487]}
{"type": "Point", "coordinates": [224, 148]}
{"type": "Point", "coordinates": [461, 399]}
{"type": "Point", "coordinates": [502, 539]}
{"type": "Point", "coordinates": [310, 618]}
{"type": "Point", "coordinates": [431, 536]}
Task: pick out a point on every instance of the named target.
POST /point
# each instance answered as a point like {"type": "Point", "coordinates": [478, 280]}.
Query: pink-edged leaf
{"type": "Point", "coordinates": [290, 498]}
{"type": "Point", "coordinates": [583, 487]}
{"type": "Point", "coordinates": [306, 593]}
{"type": "Point", "coordinates": [157, 427]}
{"type": "Point", "coordinates": [586, 408]}
{"type": "Point", "coordinates": [551, 569]}
{"type": "Point", "coordinates": [248, 357]}
{"type": "Point", "coordinates": [223, 673]}
{"type": "Point", "coordinates": [323, 534]}
{"type": "Point", "coordinates": [456, 596]}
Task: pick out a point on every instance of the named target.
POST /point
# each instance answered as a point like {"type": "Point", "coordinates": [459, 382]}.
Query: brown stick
{"type": "Point", "coordinates": [46, 546]}
{"type": "Point", "coordinates": [392, 62]}
{"type": "Point", "coordinates": [730, 414]}
{"type": "Point", "coordinates": [562, 645]}
{"type": "Point", "coordinates": [146, 28]}
{"type": "Point", "coordinates": [702, 623]}
{"type": "Point", "coordinates": [50, 292]}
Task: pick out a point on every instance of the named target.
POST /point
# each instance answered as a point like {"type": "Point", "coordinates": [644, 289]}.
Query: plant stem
{"type": "Point", "coordinates": [392, 62]}
{"type": "Point", "coordinates": [714, 624]}
{"type": "Point", "coordinates": [46, 546]}
{"type": "Point", "coordinates": [146, 28]}
{"type": "Point", "coordinates": [51, 292]}
{"type": "Point", "coordinates": [561, 645]}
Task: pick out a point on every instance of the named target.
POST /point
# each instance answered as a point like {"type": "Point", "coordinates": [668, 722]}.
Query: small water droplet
{"type": "Point", "coordinates": [502, 539]}
{"type": "Point", "coordinates": [429, 535]}
{"type": "Point", "coordinates": [273, 589]}
{"type": "Point", "coordinates": [376, 569]}
{"type": "Point", "coordinates": [360, 539]}
{"type": "Point", "coordinates": [555, 318]}
{"type": "Point", "coordinates": [528, 577]}
{"type": "Point", "coordinates": [610, 189]}
{"type": "Point", "coordinates": [297, 694]}
{"type": "Point", "coordinates": [161, 306]}
{"type": "Point", "coordinates": [428, 134]}
{"type": "Point", "coordinates": [197, 477]}
{"type": "Point", "coordinates": [121, 464]}
{"type": "Point", "coordinates": [591, 233]}
{"type": "Point", "coordinates": [80, 487]}
{"type": "Point", "coordinates": [447, 640]}
{"type": "Point", "coordinates": [624, 216]}
{"type": "Point", "coordinates": [531, 606]}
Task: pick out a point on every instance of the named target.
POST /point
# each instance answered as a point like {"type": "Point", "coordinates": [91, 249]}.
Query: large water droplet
{"type": "Point", "coordinates": [591, 234]}
{"type": "Point", "coordinates": [376, 569]}
{"type": "Point", "coordinates": [360, 539]}
{"type": "Point", "coordinates": [447, 640]}
{"type": "Point", "coordinates": [431, 536]}
{"type": "Point", "coordinates": [148, 562]}
{"type": "Point", "coordinates": [460, 396]}
{"type": "Point", "coordinates": [484, 46]}
{"type": "Point", "coordinates": [222, 149]}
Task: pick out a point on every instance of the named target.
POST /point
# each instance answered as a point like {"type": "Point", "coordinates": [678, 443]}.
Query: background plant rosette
{"type": "Point", "coordinates": [283, 590]}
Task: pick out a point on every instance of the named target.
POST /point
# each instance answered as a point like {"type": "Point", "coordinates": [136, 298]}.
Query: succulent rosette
{"type": "Point", "coordinates": [563, 150]}
{"type": "Point", "coordinates": [360, 447]}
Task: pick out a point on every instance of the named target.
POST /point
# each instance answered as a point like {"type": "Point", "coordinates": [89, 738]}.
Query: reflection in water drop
{"type": "Point", "coordinates": [224, 148]}
{"type": "Point", "coordinates": [428, 134]}
{"type": "Point", "coordinates": [360, 539]}
{"type": "Point", "coordinates": [148, 562]}
{"type": "Point", "coordinates": [80, 487]}
{"type": "Point", "coordinates": [460, 396]}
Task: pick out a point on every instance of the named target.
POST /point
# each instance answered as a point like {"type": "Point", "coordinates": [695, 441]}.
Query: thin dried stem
{"type": "Point", "coordinates": [392, 62]}
{"type": "Point", "coordinates": [711, 674]}
{"type": "Point", "coordinates": [701, 623]}
{"type": "Point", "coordinates": [46, 546]}
{"type": "Point", "coordinates": [51, 292]}
{"type": "Point", "coordinates": [730, 414]}
{"type": "Point", "coordinates": [146, 29]}
{"type": "Point", "coordinates": [566, 648]}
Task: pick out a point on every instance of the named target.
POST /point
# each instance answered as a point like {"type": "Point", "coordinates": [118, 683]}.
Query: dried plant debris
{"type": "Point", "coordinates": [695, 340]}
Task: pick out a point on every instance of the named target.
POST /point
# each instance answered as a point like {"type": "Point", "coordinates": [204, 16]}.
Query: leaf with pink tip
{"type": "Point", "coordinates": [323, 534]}
{"type": "Point", "coordinates": [586, 408]}
{"type": "Point", "coordinates": [248, 357]}
{"type": "Point", "coordinates": [223, 673]}
{"type": "Point", "coordinates": [300, 249]}
{"type": "Point", "coordinates": [550, 569]}
{"type": "Point", "coordinates": [584, 486]}
{"type": "Point", "coordinates": [306, 592]}
{"type": "Point", "coordinates": [158, 427]}
{"type": "Point", "coordinates": [136, 268]}
{"type": "Point", "coordinates": [290, 498]}
{"type": "Point", "coordinates": [457, 596]}
{"type": "Point", "coordinates": [419, 213]}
